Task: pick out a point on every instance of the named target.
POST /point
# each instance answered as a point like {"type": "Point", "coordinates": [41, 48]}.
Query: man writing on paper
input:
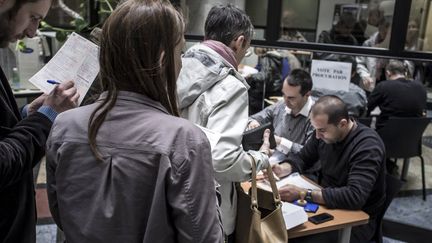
{"type": "Point", "coordinates": [23, 133]}
{"type": "Point", "coordinates": [352, 167]}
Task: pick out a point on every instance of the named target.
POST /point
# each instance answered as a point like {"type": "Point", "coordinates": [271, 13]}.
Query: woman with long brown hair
{"type": "Point", "coordinates": [127, 168]}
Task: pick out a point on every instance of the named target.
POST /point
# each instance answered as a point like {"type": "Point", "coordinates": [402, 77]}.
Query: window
{"type": "Point", "coordinates": [195, 13]}
{"type": "Point", "coordinates": [419, 29]}
{"type": "Point", "coordinates": [340, 22]}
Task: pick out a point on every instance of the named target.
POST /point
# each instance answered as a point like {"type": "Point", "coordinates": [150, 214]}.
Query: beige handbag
{"type": "Point", "coordinates": [259, 214]}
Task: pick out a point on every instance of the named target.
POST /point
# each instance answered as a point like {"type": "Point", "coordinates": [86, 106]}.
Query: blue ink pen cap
{"type": "Point", "coordinates": [52, 81]}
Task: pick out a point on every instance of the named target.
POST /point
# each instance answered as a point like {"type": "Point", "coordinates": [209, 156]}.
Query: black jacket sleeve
{"type": "Point", "coordinates": [306, 157]}
{"type": "Point", "coordinates": [375, 98]}
{"type": "Point", "coordinates": [21, 147]}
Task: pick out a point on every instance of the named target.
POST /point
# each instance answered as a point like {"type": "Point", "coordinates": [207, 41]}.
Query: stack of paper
{"type": "Point", "coordinates": [293, 215]}
{"type": "Point", "coordinates": [293, 179]}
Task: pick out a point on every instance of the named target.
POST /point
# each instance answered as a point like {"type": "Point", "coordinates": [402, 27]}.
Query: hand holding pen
{"type": "Point", "coordinates": [63, 97]}
{"type": "Point", "coordinates": [50, 81]}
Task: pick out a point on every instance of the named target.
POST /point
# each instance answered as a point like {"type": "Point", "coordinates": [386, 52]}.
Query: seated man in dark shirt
{"type": "Point", "coordinates": [397, 96]}
{"type": "Point", "coordinates": [352, 167]}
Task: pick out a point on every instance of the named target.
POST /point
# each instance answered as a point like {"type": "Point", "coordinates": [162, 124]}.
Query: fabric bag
{"type": "Point", "coordinates": [259, 214]}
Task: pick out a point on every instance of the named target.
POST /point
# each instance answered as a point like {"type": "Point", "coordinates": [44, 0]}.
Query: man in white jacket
{"type": "Point", "coordinates": [213, 94]}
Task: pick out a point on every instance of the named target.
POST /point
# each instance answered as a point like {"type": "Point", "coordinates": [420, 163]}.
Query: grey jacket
{"type": "Point", "coordinates": [155, 183]}
{"type": "Point", "coordinates": [213, 94]}
{"type": "Point", "coordinates": [355, 98]}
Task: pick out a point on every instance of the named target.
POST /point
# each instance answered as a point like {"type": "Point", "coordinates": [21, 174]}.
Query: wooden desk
{"type": "Point", "coordinates": [343, 221]}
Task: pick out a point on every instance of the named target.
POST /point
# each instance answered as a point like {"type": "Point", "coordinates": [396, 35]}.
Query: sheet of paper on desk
{"type": "Point", "coordinates": [298, 180]}
{"type": "Point", "coordinates": [277, 157]}
{"type": "Point", "coordinates": [77, 60]}
{"type": "Point", "coordinates": [293, 179]}
{"type": "Point", "coordinates": [293, 215]}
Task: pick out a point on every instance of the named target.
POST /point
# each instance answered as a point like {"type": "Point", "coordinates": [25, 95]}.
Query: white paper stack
{"type": "Point", "coordinates": [293, 215]}
{"type": "Point", "coordinates": [293, 179]}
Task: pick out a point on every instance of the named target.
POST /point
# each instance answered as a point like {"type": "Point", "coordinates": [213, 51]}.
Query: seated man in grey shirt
{"type": "Point", "coordinates": [290, 117]}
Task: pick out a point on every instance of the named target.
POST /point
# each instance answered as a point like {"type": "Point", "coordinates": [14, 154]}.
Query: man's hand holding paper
{"type": "Point", "coordinates": [63, 97]}
{"type": "Point", "coordinates": [76, 60]}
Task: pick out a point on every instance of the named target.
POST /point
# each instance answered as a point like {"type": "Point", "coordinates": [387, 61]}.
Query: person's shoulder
{"type": "Point", "coordinates": [233, 82]}
{"type": "Point", "coordinates": [366, 133]}
{"type": "Point", "coordinates": [182, 127]}
{"type": "Point", "coordinates": [73, 114]}
{"type": "Point", "coordinates": [418, 84]}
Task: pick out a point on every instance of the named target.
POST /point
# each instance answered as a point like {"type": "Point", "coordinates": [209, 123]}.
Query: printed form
{"type": "Point", "coordinates": [77, 60]}
{"type": "Point", "coordinates": [293, 179]}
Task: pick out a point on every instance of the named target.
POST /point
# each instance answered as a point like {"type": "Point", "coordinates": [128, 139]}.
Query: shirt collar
{"type": "Point", "coordinates": [305, 110]}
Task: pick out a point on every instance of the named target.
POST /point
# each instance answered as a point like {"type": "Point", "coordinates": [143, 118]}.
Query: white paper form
{"type": "Point", "coordinates": [77, 60]}
{"type": "Point", "coordinates": [294, 179]}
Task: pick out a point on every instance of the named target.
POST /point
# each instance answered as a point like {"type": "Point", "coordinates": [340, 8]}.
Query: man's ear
{"type": "Point", "coordinates": [236, 44]}
{"type": "Point", "coordinates": [343, 122]}
{"type": "Point", "coordinates": [388, 73]}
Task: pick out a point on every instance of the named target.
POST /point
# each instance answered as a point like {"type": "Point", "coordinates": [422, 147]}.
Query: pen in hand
{"type": "Point", "coordinates": [52, 81]}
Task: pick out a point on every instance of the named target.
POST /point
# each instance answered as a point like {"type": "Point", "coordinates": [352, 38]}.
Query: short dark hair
{"type": "Point", "coordinates": [333, 107]}
{"type": "Point", "coordinates": [225, 23]}
{"type": "Point", "coordinates": [299, 77]}
{"type": "Point", "coordinates": [396, 67]}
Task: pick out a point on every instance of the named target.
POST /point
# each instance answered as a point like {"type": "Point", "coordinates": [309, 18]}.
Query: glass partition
{"type": "Point", "coordinates": [340, 22]}
{"type": "Point", "coordinates": [419, 29]}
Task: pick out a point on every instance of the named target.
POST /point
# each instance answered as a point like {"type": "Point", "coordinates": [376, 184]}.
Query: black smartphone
{"type": "Point", "coordinates": [321, 218]}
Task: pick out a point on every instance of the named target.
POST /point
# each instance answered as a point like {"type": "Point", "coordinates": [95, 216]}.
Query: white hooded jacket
{"type": "Point", "coordinates": [214, 95]}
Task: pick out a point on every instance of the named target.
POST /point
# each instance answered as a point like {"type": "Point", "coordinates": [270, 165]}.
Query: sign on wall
{"type": "Point", "coordinates": [331, 75]}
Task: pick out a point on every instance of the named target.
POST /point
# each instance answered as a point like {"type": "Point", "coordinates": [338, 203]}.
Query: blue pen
{"type": "Point", "coordinates": [52, 81]}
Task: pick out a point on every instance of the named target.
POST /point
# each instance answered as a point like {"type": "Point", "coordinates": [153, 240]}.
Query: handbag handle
{"type": "Point", "coordinates": [254, 199]}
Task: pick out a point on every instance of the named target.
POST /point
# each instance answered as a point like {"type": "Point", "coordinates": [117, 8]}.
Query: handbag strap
{"type": "Point", "coordinates": [254, 199]}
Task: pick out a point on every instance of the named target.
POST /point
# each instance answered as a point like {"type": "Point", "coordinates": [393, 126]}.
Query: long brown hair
{"type": "Point", "coordinates": [137, 50]}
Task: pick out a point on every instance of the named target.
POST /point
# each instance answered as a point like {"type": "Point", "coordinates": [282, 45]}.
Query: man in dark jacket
{"type": "Point", "coordinates": [397, 96]}
{"type": "Point", "coordinates": [352, 167]}
{"type": "Point", "coordinates": [22, 142]}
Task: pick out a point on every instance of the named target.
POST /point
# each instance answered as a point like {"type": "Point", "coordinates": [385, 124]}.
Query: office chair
{"type": "Point", "coordinates": [393, 185]}
{"type": "Point", "coordinates": [402, 137]}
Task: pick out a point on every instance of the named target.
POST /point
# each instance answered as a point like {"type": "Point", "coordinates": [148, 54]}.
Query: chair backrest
{"type": "Point", "coordinates": [402, 136]}
{"type": "Point", "coordinates": [393, 186]}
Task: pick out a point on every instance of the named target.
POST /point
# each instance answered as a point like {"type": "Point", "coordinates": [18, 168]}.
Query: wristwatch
{"type": "Point", "coordinates": [309, 195]}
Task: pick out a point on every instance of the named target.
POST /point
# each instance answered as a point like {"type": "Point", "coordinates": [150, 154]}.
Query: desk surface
{"type": "Point", "coordinates": [342, 219]}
